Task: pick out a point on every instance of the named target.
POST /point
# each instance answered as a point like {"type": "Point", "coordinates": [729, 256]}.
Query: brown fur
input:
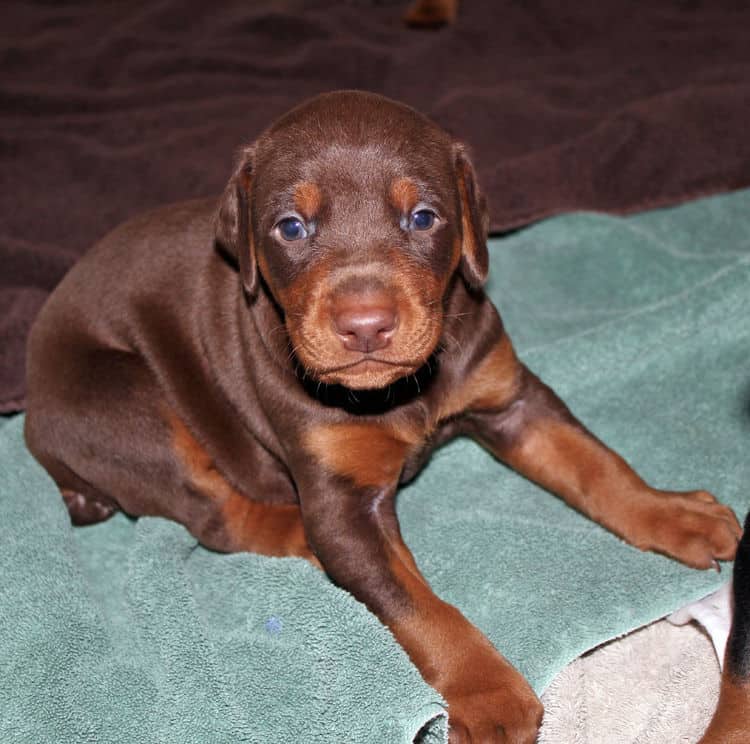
{"type": "Point", "coordinates": [729, 723]}
{"type": "Point", "coordinates": [248, 525]}
{"type": "Point", "coordinates": [194, 365]}
{"type": "Point", "coordinates": [431, 13]}
{"type": "Point", "coordinates": [489, 387]}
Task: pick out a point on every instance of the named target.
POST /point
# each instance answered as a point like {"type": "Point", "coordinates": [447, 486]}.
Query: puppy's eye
{"type": "Point", "coordinates": [292, 228]}
{"type": "Point", "coordinates": [422, 219]}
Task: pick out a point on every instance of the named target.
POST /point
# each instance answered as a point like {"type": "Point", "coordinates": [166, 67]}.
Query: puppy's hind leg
{"type": "Point", "coordinates": [86, 508]}
{"type": "Point", "coordinates": [91, 423]}
{"type": "Point", "coordinates": [100, 424]}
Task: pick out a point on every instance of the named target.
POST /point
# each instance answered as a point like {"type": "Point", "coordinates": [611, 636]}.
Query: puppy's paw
{"type": "Point", "coordinates": [511, 715]}
{"type": "Point", "coordinates": [691, 527]}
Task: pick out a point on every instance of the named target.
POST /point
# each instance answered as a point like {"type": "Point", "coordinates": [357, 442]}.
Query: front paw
{"type": "Point", "coordinates": [508, 715]}
{"type": "Point", "coordinates": [691, 527]}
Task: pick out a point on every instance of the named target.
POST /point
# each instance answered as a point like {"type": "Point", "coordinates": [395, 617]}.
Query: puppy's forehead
{"type": "Point", "coordinates": [356, 140]}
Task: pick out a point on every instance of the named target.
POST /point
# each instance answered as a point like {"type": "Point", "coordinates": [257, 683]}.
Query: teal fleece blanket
{"type": "Point", "coordinates": [131, 632]}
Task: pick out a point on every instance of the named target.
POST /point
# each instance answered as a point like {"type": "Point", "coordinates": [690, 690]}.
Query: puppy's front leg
{"type": "Point", "coordinates": [351, 525]}
{"type": "Point", "coordinates": [536, 434]}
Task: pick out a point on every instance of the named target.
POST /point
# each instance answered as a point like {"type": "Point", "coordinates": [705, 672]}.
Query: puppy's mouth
{"type": "Point", "coordinates": [323, 357]}
{"type": "Point", "coordinates": [369, 372]}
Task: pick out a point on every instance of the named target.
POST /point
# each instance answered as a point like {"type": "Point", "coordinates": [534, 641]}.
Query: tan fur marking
{"type": "Point", "coordinates": [368, 454]}
{"type": "Point", "coordinates": [307, 199]}
{"type": "Point", "coordinates": [306, 294]}
{"type": "Point", "coordinates": [490, 386]}
{"type": "Point", "coordinates": [731, 721]}
{"type": "Point", "coordinates": [250, 525]}
{"type": "Point", "coordinates": [404, 195]}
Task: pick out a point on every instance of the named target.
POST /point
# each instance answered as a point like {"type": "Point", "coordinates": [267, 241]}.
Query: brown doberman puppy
{"type": "Point", "coordinates": [268, 371]}
{"type": "Point", "coordinates": [731, 720]}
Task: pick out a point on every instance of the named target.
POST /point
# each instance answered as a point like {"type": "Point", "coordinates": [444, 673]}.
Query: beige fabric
{"type": "Point", "coordinates": [657, 685]}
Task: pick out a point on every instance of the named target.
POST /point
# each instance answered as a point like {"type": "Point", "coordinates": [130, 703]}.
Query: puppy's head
{"type": "Point", "coordinates": [357, 212]}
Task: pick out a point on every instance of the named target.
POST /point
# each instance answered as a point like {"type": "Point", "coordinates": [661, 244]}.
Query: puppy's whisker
{"type": "Point", "coordinates": [451, 339]}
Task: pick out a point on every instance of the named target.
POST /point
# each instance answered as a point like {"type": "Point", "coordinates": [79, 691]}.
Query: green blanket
{"type": "Point", "coordinates": [129, 632]}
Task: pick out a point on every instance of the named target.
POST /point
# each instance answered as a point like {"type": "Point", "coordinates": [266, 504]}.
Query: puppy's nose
{"type": "Point", "coordinates": [365, 325]}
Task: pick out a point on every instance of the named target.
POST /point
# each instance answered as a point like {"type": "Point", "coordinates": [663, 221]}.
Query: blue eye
{"type": "Point", "coordinates": [422, 219]}
{"type": "Point", "coordinates": [292, 228]}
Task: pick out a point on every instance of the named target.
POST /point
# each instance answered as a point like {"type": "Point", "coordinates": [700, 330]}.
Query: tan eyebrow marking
{"type": "Point", "coordinates": [404, 195]}
{"type": "Point", "coordinates": [307, 199]}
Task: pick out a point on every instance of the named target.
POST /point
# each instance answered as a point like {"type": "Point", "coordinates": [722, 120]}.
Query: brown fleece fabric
{"type": "Point", "coordinates": [108, 108]}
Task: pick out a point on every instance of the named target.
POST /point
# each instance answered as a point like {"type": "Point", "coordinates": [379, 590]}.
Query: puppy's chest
{"type": "Point", "coordinates": [381, 452]}
{"type": "Point", "coordinates": [377, 454]}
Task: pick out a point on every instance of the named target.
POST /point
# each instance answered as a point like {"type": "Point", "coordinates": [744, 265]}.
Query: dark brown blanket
{"type": "Point", "coordinates": [108, 108]}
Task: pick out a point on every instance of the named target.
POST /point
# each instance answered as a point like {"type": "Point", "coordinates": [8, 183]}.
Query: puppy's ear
{"type": "Point", "coordinates": [234, 233]}
{"type": "Point", "coordinates": [475, 222]}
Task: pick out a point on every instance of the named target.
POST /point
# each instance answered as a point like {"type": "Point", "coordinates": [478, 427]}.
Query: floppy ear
{"type": "Point", "coordinates": [475, 222]}
{"type": "Point", "coordinates": [233, 226]}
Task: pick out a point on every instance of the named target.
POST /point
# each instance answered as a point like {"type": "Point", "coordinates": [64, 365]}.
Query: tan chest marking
{"type": "Point", "coordinates": [367, 454]}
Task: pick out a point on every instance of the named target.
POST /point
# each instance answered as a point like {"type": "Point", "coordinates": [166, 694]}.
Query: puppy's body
{"type": "Point", "coordinates": [168, 308]}
{"type": "Point", "coordinates": [272, 394]}
{"type": "Point", "coordinates": [731, 720]}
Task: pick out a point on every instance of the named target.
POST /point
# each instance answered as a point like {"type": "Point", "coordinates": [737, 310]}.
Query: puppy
{"type": "Point", "coordinates": [268, 370]}
{"type": "Point", "coordinates": [731, 720]}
